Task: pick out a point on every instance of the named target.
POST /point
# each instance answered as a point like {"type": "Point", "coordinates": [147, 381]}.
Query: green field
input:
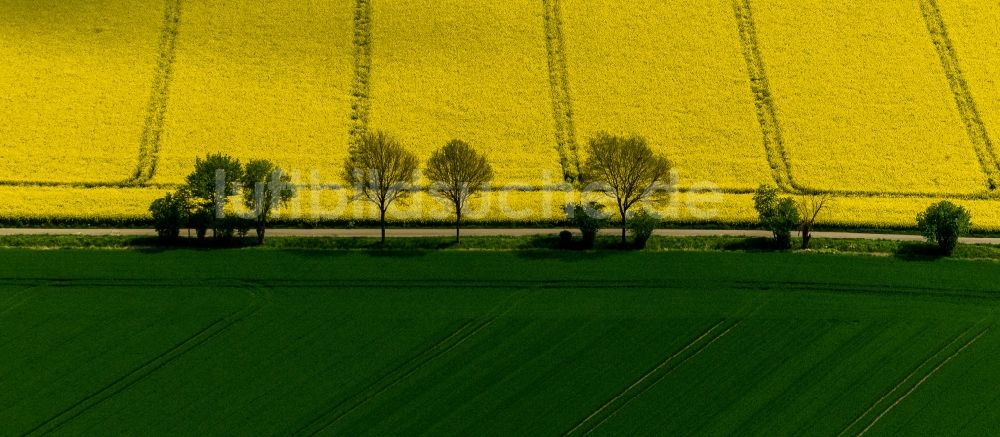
{"type": "Point", "coordinates": [113, 342]}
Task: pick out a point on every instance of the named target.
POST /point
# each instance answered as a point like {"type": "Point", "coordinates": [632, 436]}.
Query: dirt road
{"type": "Point", "coordinates": [402, 233]}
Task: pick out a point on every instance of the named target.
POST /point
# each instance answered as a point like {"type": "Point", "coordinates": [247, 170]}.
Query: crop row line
{"type": "Point", "coordinates": [562, 104]}
{"type": "Point", "coordinates": [967, 107]}
{"type": "Point", "coordinates": [777, 153]}
{"type": "Point", "coordinates": [361, 88]}
{"type": "Point", "coordinates": [397, 375]}
{"type": "Point", "coordinates": [982, 195]}
{"type": "Point", "coordinates": [920, 369]}
{"type": "Point", "coordinates": [18, 298]}
{"type": "Point", "coordinates": [767, 114]}
{"type": "Point", "coordinates": [649, 379]}
{"type": "Point", "coordinates": [923, 380]}
{"type": "Point", "coordinates": [152, 129]}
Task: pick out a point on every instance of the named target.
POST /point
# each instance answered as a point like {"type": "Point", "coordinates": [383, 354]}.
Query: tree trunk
{"type": "Point", "coordinates": [806, 236]}
{"type": "Point", "coordinates": [382, 221]}
{"type": "Point", "coordinates": [624, 227]}
{"type": "Point", "coordinates": [458, 226]}
{"type": "Point", "coordinates": [260, 233]}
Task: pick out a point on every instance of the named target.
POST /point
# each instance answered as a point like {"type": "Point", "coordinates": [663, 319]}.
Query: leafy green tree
{"type": "Point", "coordinates": [944, 223]}
{"type": "Point", "coordinates": [779, 215]}
{"type": "Point", "coordinates": [381, 171]}
{"type": "Point", "coordinates": [170, 214]}
{"type": "Point", "coordinates": [627, 169]}
{"type": "Point", "coordinates": [266, 188]}
{"type": "Point", "coordinates": [210, 186]}
{"type": "Point", "coordinates": [458, 172]}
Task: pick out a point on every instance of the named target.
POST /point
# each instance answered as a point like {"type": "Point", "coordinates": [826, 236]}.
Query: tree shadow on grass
{"type": "Point", "coordinates": [309, 253]}
{"type": "Point", "coordinates": [918, 252]}
{"type": "Point", "coordinates": [756, 244]}
{"type": "Point", "coordinates": [153, 245]}
{"type": "Point", "coordinates": [566, 255]}
{"type": "Point", "coordinates": [451, 244]}
{"type": "Point", "coordinates": [545, 247]}
{"type": "Point", "coordinates": [395, 253]}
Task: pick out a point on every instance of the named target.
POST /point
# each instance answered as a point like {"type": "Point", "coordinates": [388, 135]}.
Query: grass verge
{"type": "Point", "coordinates": [900, 249]}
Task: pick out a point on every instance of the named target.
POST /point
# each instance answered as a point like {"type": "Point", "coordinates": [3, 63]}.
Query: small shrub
{"type": "Point", "coordinates": [642, 226]}
{"type": "Point", "coordinates": [565, 239]}
{"type": "Point", "coordinates": [230, 226]}
{"type": "Point", "coordinates": [590, 219]}
{"type": "Point", "coordinates": [943, 223]}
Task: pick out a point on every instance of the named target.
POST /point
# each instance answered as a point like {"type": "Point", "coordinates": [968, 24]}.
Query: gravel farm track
{"type": "Point", "coordinates": [483, 232]}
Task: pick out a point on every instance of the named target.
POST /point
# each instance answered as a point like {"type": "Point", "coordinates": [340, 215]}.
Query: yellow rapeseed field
{"type": "Point", "coordinates": [104, 204]}
{"type": "Point", "coordinates": [673, 72]}
{"type": "Point", "coordinates": [473, 70]}
{"type": "Point", "coordinates": [265, 79]}
{"type": "Point", "coordinates": [75, 81]}
{"type": "Point", "coordinates": [863, 99]}
{"type": "Point", "coordinates": [502, 207]}
{"type": "Point", "coordinates": [975, 32]}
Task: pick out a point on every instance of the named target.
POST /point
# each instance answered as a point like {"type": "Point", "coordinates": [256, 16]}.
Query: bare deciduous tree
{"type": "Point", "coordinates": [457, 172]}
{"type": "Point", "coordinates": [381, 171]}
{"type": "Point", "coordinates": [810, 205]}
{"type": "Point", "coordinates": [628, 170]}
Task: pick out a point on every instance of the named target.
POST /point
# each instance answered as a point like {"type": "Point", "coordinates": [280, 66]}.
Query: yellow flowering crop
{"type": "Point", "coordinates": [471, 70]}
{"type": "Point", "coordinates": [674, 73]}
{"type": "Point", "coordinates": [873, 102]}
{"type": "Point", "coordinates": [497, 207]}
{"type": "Point", "coordinates": [863, 99]}
{"type": "Point", "coordinates": [76, 203]}
{"type": "Point", "coordinates": [974, 30]}
{"type": "Point", "coordinates": [260, 80]}
{"type": "Point", "coordinates": [74, 85]}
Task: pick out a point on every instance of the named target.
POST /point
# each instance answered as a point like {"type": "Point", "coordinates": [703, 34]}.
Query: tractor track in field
{"type": "Point", "coordinates": [985, 194]}
{"type": "Point", "coordinates": [559, 86]}
{"type": "Point", "coordinates": [19, 298]}
{"type": "Point", "coordinates": [396, 376]}
{"type": "Point", "coordinates": [156, 111]}
{"type": "Point", "coordinates": [916, 371]}
{"type": "Point", "coordinates": [923, 380]}
{"type": "Point", "coordinates": [659, 372]}
{"type": "Point", "coordinates": [259, 297]}
{"type": "Point", "coordinates": [361, 88]}
{"type": "Point", "coordinates": [774, 143]}
{"type": "Point", "coordinates": [543, 284]}
{"type": "Point", "coordinates": [966, 104]}
{"type": "Point", "coordinates": [767, 114]}
{"type": "Point", "coordinates": [332, 415]}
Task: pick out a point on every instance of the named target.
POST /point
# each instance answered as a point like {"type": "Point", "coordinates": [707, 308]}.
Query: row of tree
{"type": "Point", "coordinates": [943, 223]}
{"type": "Point", "coordinates": [200, 203]}
{"type": "Point", "coordinates": [380, 170]}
